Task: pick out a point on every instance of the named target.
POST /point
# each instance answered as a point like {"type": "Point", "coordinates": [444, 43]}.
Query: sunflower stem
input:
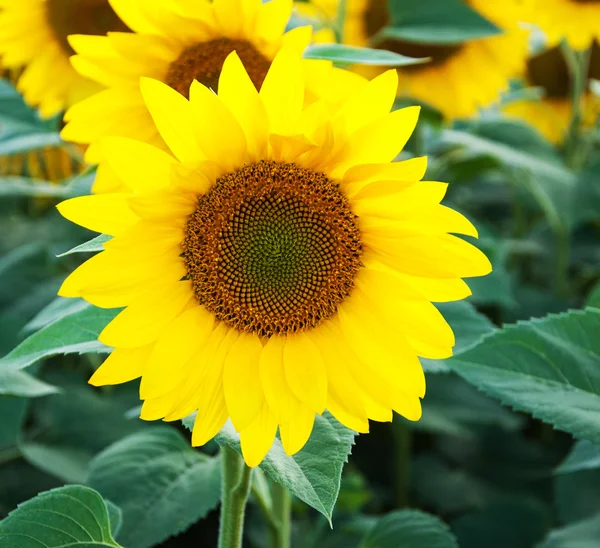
{"type": "Point", "coordinates": [282, 512]}
{"type": "Point", "coordinates": [236, 479]}
{"type": "Point", "coordinates": [578, 63]}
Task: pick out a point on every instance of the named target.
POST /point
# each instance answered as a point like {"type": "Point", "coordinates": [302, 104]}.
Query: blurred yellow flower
{"type": "Point", "coordinates": [276, 264]}
{"type": "Point", "coordinates": [552, 114]}
{"type": "Point", "coordinates": [33, 34]}
{"type": "Point", "coordinates": [460, 78]}
{"type": "Point", "coordinates": [578, 21]}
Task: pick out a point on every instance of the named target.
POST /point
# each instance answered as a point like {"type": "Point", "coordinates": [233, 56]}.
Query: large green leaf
{"type": "Point", "coordinates": [160, 483]}
{"type": "Point", "coordinates": [314, 473]}
{"type": "Point", "coordinates": [410, 528]}
{"type": "Point", "coordinates": [352, 55]}
{"type": "Point", "coordinates": [584, 456]}
{"type": "Point", "coordinates": [549, 368]}
{"type": "Point", "coordinates": [469, 327]}
{"type": "Point", "coordinates": [436, 21]}
{"type": "Point", "coordinates": [23, 186]}
{"type": "Point", "coordinates": [18, 383]}
{"type": "Point", "coordinates": [582, 534]}
{"type": "Point", "coordinates": [68, 517]}
{"type": "Point", "coordinates": [76, 333]}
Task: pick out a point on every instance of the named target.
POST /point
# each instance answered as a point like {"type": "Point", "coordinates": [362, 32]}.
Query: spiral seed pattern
{"type": "Point", "coordinates": [272, 248]}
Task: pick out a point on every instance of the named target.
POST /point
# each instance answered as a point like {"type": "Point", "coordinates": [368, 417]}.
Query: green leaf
{"type": "Point", "coordinates": [410, 528]}
{"type": "Point", "coordinates": [586, 202]}
{"type": "Point", "coordinates": [59, 308]}
{"type": "Point", "coordinates": [352, 55]}
{"type": "Point", "coordinates": [73, 516]}
{"type": "Point", "coordinates": [115, 516]}
{"type": "Point", "coordinates": [515, 145]}
{"type": "Point", "coordinates": [469, 327]}
{"type": "Point", "coordinates": [583, 456]}
{"type": "Point", "coordinates": [23, 186]}
{"type": "Point", "coordinates": [314, 473]}
{"type": "Point", "coordinates": [68, 464]}
{"type": "Point", "coordinates": [94, 245]}
{"type": "Point", "coordinates": [436, 21]}
{"type": "Point", "coordinates": [18, 144]}
{"type": "Point", "coordinates": [549, 368]}
{"type": "Point", "coordinates": [76, 333]}
{"type": "Point", "coordinates": [160, 483]}
{"type": "Point", "coordinates": [18, 383]}
{"type": "Point", "coordinates": [583, 534]}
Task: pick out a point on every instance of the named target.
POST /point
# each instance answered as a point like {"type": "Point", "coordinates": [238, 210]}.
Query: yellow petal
{"type": "Point", "coordinates": [280, 398]}
{"type": "Point", "coordinates": [295, 433]}
{"type": "Point", "coordinates": [257, 438]}
{"type": "Point", "coordinates": [174, 118]}
{"type": "Point", "coordinates": [305, 371]}
{"type": "Point", "coordinates": [282, 93]}
{"type": "Point", "coordinates": [146, 317]}
{"type": "Point", "coordinates": [143, 167]}
{"type": "Point", "coordinates": [105, 213]}
{"type": "Point", "coordinates": [218, 134]}
{"type": "Point", "coordinates": [380, 346]}
{"type": "Point", "coordinates": [379, 141]}
{"type": "Point", "coordinates": [241, 380]}
{"type": "Point", "coordinates": [173, 351]}
{"type": "Point", "coordinates": [123, 365]}
{"type": "Point", "coordinates": [238, 93]}
{"type": "Point", "coordinates": [370, 102]}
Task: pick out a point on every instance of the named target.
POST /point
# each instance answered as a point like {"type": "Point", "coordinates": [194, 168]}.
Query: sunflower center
{"type": "Point", "coordinates": [94, 17]}
{"type": "Point", "coordinates": [272, 248]}
{"type": "Point", "coordinates": [377, 17]}
{"type": "Point", "coordinates": [204, 61]}
{"type": "Point", "coordinates": [549, 71]}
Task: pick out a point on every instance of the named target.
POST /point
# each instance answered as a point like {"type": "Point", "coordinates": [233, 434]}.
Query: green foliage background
{"type": "Point", "coordinates": [507, 453]}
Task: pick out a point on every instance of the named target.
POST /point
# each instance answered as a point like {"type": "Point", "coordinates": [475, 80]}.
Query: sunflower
{"type": "Point", "coordinates": [578, 21]}
{"type": "Point", "coordinates": [447, 82]}
{"type": "Point", "coordinates": [552, 115]}
{"type": "Point", "coordinates": [276, 264]}
{"type": "Point", "coordinates": [33, 34]}
{"type": "Point", "coordinates": [175, 41]}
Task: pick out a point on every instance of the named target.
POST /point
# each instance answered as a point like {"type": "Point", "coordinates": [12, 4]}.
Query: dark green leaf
{"type": "Point", "coordinates": [351, 55]}
{"type": "Point", "coordinates": [73, 516]}
{"type": "Point", "coordinates": [583, 534]}
{"type": "Point", "coordinates": [160, 483]}
{"type": "Point", "coordinates": [584, 456]}
{"type": "Point", "coordinates": [76, 333]}
{"type": "Point", "coordinates": [409, 528]}
{"type": "Point", "coordinates": [436, 21]}
{"type": "Point", "coordinates": [94, 245]}
{"type": "Point", "coordinates": [314, 473]}
{"type": "Point", "coordinates": [549, 368]}
{"type": "Point", "coordinates": [18, 383]}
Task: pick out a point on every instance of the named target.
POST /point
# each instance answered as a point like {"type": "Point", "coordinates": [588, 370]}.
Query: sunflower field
{"type": "Point", "coordinates": [313, 274]}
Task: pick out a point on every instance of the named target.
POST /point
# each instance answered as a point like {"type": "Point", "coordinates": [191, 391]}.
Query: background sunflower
{"type": "Point", "coordinates": [33, 34]}
{"type": "Point", "coordinates": [493, 59]}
